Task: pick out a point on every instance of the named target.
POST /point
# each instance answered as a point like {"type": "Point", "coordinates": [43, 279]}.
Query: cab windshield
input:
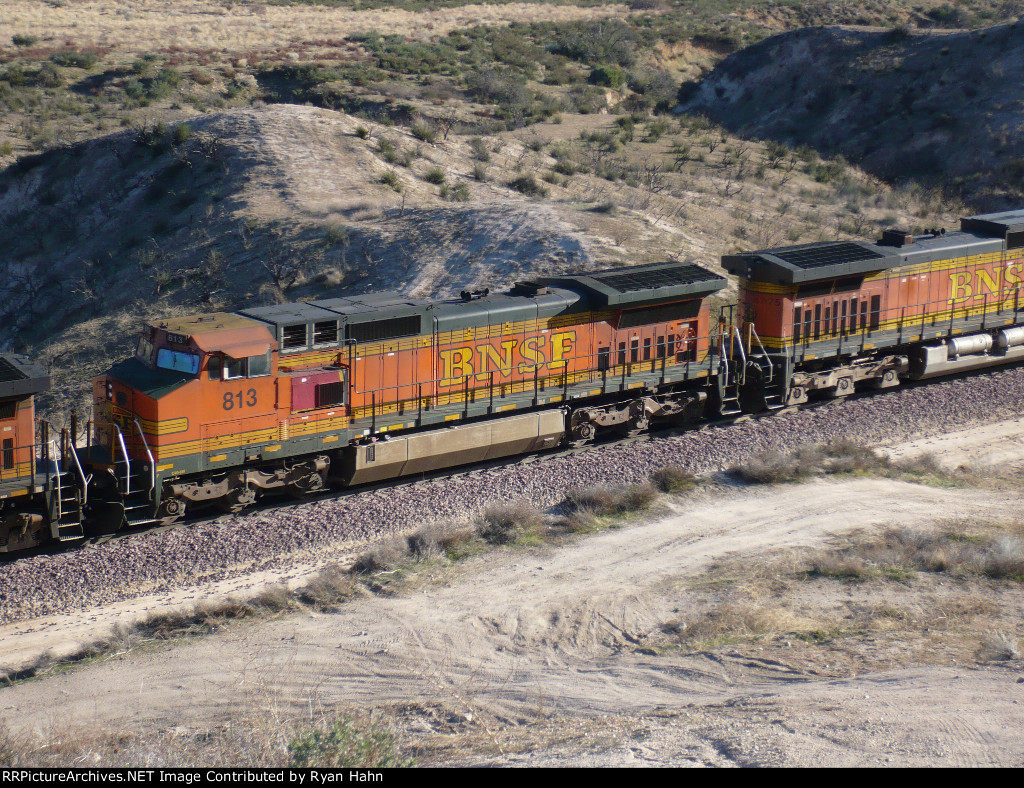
{"type": "Point", "coordinates": [177, 361]}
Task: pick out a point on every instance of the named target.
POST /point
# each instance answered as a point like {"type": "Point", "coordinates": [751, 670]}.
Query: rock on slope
{"type": "Point", "coordinates": [942, 109]}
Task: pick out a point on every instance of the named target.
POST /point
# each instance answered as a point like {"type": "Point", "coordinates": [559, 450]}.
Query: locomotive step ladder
{"type": "Point", "coordinates": [136, 482]}
{"type": "Point", "coordinates": [774, 395]}
{"type": "Point", "coordinates": [68, 490]}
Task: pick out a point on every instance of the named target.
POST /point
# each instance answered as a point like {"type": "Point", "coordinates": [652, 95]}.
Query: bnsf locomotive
{"type": "Point", "coordinates": [221, 409]}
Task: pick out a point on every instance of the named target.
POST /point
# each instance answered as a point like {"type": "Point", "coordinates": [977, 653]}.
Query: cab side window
{"type": "Point", "coordinates": [258, 366]}
{"type": "Point", "coordinates": [213, 368]}
{"type": "Point", "coordinates": [234, 368]}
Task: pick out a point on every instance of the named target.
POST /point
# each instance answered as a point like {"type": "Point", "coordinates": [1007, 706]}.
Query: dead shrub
{"type": "Point", "coordinates": [582, 520]}
{"type": "Point", "coordinates": [804, 462]}
{"type": "Point", "coordinates": [772, 467]}
{"type": "Point", "coordinates": [437, 539]}
{"type": "Point", "coordinates": [1005, 559]}
{"type": "Point", "coordinates": [328, 588]}
{"type": "Point", "coordinates": [999, 647]}
{"type": "Point", "coordinates": [735, 620]}
{"type": "Point", "coordinates": [922, 465]}
{"type": "Point", "coordinates": [508, 523]}
{"type": "Point", "coordinates": [603, 500]}
{"type": "Point", "coordinates": [382, 558]}
{"type": "Point", "coordinates": [839, 566]}
{"type": "Point", "coordinates": [274, 598]}
{"type": "Point", "coordinates": [674, 479]}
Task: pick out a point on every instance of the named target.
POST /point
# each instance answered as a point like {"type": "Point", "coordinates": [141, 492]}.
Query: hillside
{"type": "Point", "coordinates": [939, 109]}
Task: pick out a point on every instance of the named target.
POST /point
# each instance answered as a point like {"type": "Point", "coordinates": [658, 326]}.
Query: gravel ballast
{"type": "Point", "coordinates": [274, 538]}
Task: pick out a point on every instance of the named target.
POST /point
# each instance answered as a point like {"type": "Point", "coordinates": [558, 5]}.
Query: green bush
{"type": "Point", "coordinates": [527, 184]}
{"type": "Point", "coordinates": [386, 149]}
{"type": "Point", "coordinates": [362, 132]}
{"type": "Point", "coordinates": [424, 131]}
{"type": "Point", "coordinates": [72, 58]}
{"type": "Point", "coordinates": [23, 40]}
{"type": "Point", "coordinates": [479, 149]}
{"type": "Point", "coordinates": [457, 193]}
{"type": "Point", "coordinates": [434, 175]}
{"type": "Point", "coordinates": [608, 77]}
{"type": "Point", "coordinates": [181, 134]}
{"type": "Point", "coordinates": [346, 744]}
{"type": "Point", "coordinates": [390, 178]}
{"type": "Point", "coordinates": [335, 234]}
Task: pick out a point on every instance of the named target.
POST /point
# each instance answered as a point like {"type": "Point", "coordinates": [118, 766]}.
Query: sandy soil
{"type": "Point", "coordinates": [140, 25]}
{"type": "Point", "coordinates": [997, 446]}
{"type": "Point", "coordinates": [532, 637]}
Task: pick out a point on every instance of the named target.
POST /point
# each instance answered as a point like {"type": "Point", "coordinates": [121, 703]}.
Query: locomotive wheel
{"type": "Point", "coordinates": [582, 434]}
{"type": "Point", "coordinates": [312, 483]}
{"type": "Point", "coordinates": [171, 510]}
{"type": "Point", "coordinates": [843, 388]}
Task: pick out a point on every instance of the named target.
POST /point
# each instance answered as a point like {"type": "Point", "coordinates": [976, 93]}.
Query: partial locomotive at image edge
{"type": "Point", "coordinates": [219, 410]}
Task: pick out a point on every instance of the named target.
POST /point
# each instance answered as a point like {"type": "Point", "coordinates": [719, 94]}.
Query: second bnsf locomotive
{"type": "Point", "coordinates": [825, 317]}
{"type": "Point", "coordinates": [218, 410]}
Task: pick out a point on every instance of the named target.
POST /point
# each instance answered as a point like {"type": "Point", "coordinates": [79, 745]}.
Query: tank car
{"type": "Point", "coordinates": [826, 317]}
{"type": "Point", "coordinates": [219, 409]}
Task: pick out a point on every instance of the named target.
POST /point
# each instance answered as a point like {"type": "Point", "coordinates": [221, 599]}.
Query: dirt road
{"type": "Point", "coordinates": [541, 637]}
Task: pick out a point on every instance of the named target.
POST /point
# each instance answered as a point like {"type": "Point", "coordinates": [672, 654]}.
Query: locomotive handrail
{"type": "Point", "coordinates": [743, 354]}
{"type": "Point", "coordinates": [81, 475]}
{"type": "Point", "coordinates": [127, 461]}
{"type": "Point", "coordinates": [937, 313]}
{"type": "Point", "coordinates": [460, 388]}
{"type": "Point", "coordinates": [55, 476]}
{"type": "Point", "coordinates": [152, 462]}
{"type": "Point", "coordinates": [751, 335]}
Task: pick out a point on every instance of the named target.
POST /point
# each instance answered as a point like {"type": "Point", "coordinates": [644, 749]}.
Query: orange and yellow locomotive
{"type": "Point", "coordinates": [221, 408]}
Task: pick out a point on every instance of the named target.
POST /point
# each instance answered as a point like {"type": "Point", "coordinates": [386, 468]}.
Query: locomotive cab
{"type": "Point", "coordinates": [199, 391]}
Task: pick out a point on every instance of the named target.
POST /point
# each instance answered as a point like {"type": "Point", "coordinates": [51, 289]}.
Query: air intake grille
{"type": "Point", "coordinates": [632, 281]}
{"type": "Point", "coordinates": [825, 254]}
{"type": "Point", "coordinates": [379, 330]}
{"type": "Point", "coordinates": [9, 372]}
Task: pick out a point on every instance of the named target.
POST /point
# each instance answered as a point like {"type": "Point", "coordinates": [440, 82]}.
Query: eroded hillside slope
{"type": "Point", "coordinates": [942, 109]}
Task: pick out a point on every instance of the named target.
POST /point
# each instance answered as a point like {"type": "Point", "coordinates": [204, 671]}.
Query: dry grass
{"type": "Point", "coordinates": [148, 25]}
{"type": "Point", "coordinates": [953, 591]}
{"type": "Point", "coordinates": [674, 479]}
{"type": "Point", "coordinates": [259, 735]}
{"type": "Point", "coordinates": [996, 553]}
{"type": "Point", "coordinates": [510, 523]}
{"type": "Point", "coordinates": [838, 458]}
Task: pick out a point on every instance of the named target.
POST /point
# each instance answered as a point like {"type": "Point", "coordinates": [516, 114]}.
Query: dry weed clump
{"type": "Point", "coordinates": [835, 458]}
{"type": "Point", "coordinates": [900, 552]}
{"type": "Point", "coordinates": [328, 588]}
{"type": "Point", "coordinates": [997, 647]}
{"type": "Point", "coordinates": [733, 621]}
{"type": "Point", "coordinates": [674, 479]}
{"type": "Point", "coordinates": [586, 507]}
{"type": "Point", "coordinates": [511, 523]}
{"type": "Point", "coordinates": [257, 737]}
